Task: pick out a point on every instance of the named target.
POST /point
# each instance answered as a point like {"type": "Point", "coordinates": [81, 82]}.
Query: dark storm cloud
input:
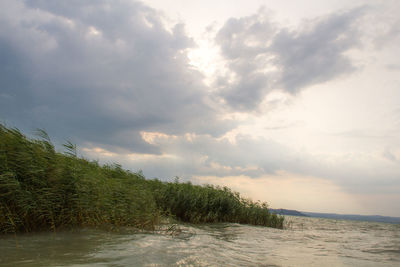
{"type": "Point", "coordinates": [99, 71]}
{"type": "Point", "coordinates": [262, 56]}
{"type": "Point", "coordinates": [244, 43]}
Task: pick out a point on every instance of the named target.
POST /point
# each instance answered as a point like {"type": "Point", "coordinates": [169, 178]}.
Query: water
{"type": "Point", "coordinates": [306, 242]}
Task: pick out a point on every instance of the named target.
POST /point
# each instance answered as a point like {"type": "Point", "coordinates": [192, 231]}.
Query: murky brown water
{"type": "Point", "coordinates": [307, 242]}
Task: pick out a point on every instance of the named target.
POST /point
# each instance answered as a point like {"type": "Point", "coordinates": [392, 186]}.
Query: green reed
{"type": "Point", "coordinates": [42, 189]}
{"type": "Point", "coordinates": [209, 204]}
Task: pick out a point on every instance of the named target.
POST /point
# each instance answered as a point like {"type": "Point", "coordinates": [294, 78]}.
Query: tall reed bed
{"type": "Point", "coordinates": [209, 204]}
{"type": "Point", "coordinates": [42, 189]}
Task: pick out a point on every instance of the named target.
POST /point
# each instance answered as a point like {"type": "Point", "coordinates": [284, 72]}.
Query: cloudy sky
{"type": "Point", "coordinates": [296, 105]}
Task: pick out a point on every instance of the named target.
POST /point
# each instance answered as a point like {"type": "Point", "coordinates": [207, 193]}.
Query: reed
{"type": "Point", "coordinates": [210, 204]}
{"type": "Point", "coordinates": [42, 189]}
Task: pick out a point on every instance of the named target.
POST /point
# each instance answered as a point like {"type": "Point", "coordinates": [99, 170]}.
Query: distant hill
{"type": "Point", "coordinates": [354, 217]}
{"type": "Point", "coordinates": [371, 218]}
{"type": "Point", "coordinates": [288, 212]}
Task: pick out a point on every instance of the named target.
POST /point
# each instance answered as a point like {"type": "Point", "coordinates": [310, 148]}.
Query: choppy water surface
{"type": "Point", "coordinates": [306, 242]}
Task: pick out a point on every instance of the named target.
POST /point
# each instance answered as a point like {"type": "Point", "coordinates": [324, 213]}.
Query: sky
{"type": "Point", "coordinates": [296, 105]}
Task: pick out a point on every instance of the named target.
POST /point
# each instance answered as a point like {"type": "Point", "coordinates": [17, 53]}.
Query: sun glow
{"type": "Point", "coordinates": [206, 58]}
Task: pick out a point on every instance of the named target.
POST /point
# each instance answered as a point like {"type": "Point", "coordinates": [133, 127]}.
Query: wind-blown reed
{"type": "Point", "coordinates": [42, 189]}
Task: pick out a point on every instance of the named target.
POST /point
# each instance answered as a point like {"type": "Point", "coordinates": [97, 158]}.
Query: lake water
{"type": "Point", "coordinates": [306, 242]}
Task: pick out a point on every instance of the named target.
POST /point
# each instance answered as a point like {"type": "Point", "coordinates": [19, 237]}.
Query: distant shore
{"type": "Point", "coordinates": [353, 217]}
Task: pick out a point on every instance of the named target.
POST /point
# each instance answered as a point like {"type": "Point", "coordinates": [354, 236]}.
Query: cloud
{"type": "Point", "coordinates": [291, 191]}
{"type": "Point", "coordinates": [192, 155]}
{"type": "Point", "coordinates": [392, 67]}
{"type": "Point", "coordinates": [389, 155]}
{"type": "Point", "coordinates": [317, 53]}
{"type": "Point", "coordinates": [382, 24]}
{"type": "Point", "coordinates": [244, 43]}
{"type": "Point", "coordinates": [101, 72]}
{"type": "Point", "coordinates": [262, 56]}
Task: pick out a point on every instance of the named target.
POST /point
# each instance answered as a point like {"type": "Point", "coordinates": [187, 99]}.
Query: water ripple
{"type": "Point", "coordinates": [306, 242]}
